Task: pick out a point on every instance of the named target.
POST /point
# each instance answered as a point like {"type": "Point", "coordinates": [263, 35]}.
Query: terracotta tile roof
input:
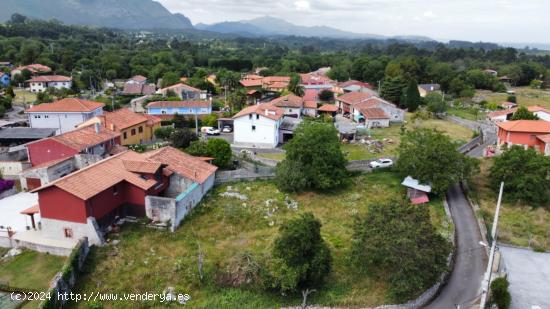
{"type": "Point", "coordinates": [528, 126]}
{"type": "Point", "coordinates": [310, 104]}
{"type": "Point", "coordinates": [143, 167]}
{"type": "Point", "coordinates": [501, 113]}
{"type": "Point", "coordinates": [328, 108]}
{"type": "Point", "coordinates": [251, 83]}
{"type": "Point", "coordinates": [545, 138]}
{"type": "Point", "coordinates": [264, 109]}
{"type": "Point", "coordinates": [315, 79]}
{"type": "Point", "coordinates": [148, 89]}
{"type": "Point", "coordinates": [374, 113]}
{"type": "Point", "coordinates": [124, 118]}
{"type": "Point", "coordinates": [132, 88]}
{"type": "Point", "coordinates": [183, 164]}
{"type": "Point", "coordinates": [251, 92]}
{"type": "Point", "coordinates": [354, 97]}
{"type": "Point", "coordinates": [93, 179]}
{"type": "Point", "coordinates": [67, 105]}
{"type": "Point", "coordinates": [49, 78]}
{"type": "Point", "coordinates": [275, 79]}
{"type": "Point", "coordinates": [34, 68]}
{"type": "Point", "coordinates": [508, 104]}
{"type": "Point", "coordinates": [355, 82]}
{"type": "Point", "coordinates": [311, 94]}
{"type": "Point", "coordinates": [252, 76]}
{"type": "Point", "coordinates": [83, 138]}
{"type": "Point", "coordinates": [139, 78]}
{"type": "Point", "coordinates": [172, 104]}
{"type": "Point", "coordinates": [289, 100]}
{"type": "Point", "coordinates": [181, 86]}
{"type": "Point", "coordinates": [536, 108]}
{"type": "Point", "coordinates": [276, 85]}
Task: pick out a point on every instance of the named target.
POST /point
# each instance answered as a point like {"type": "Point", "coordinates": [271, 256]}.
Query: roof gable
{"type": "Point", "coordinates": [68, 105]}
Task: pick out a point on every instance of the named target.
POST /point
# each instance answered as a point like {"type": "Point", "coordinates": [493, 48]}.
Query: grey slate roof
{"type": "Point", "coordinates": [26, 133]}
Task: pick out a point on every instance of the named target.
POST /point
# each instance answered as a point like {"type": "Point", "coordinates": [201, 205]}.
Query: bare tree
{"type": "Point", "coordinates": [305, 294]}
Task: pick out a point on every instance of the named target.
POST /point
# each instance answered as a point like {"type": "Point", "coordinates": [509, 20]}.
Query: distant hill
{"type": "Point", "coordinates": [123, 14]}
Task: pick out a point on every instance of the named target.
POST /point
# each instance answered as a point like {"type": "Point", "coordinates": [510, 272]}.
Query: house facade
{"type": "Point", "coordinates": [42, 83]}
{"type": "Point", "coordinates": [184, 92]}
{"type": "Point", "coordinates": [133, 128]}
{"type": "Point", "coordinates": [4, 79]}
{"type": "Point", "coordinates": [258, 126]}
{"type": "Point", "coordinates": [167, 109]}
{"type": "Point", "coordinates": [358, 106]}
{"type": "Point", "coordinates": [526, 133]}
{"type": "Point", "coordinates": [93, 140]}
{"type": "Point", "coordinates": [86, 202]}
{"type": "Point", "coordinates": [425, 89]}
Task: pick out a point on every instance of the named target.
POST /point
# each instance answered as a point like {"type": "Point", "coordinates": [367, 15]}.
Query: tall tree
{"type": "Point", "coordinates": [411, 96]}
{"type": "Point", "coordinates": [314, 160]}
{"type": "Point", "coordinates": [392, 89]}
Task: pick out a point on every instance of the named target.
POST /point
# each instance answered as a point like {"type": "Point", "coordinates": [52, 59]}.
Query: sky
{"type": "Point", "coordinates": [472, 20]}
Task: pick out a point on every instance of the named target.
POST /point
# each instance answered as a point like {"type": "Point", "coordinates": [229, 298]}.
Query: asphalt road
{"type": "Point", "coordinates": [463, 287]}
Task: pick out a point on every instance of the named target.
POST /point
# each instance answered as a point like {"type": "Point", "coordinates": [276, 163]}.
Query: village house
{"type": "Point", "coordinates": [506, 114]}
{"type": "Point", "coordinates": [133, 128]}
{"type": "Point", "coordinates": [63, 115]}
{"type": "Point", "coordinates": [4, 79]}
{"type": "Point", "coordinates": [526, 133]}
{"type": "Point", "coordinates": [258, 126]}
{"type": "Point", "coordinates": [369, 110]}
{"type": "Point", "coordinates": [35, 69]}
{"type": "Point", "coordinates": [43, 82]}
{"type": "Point", "coordinates": [163, 185]}
{"type": "Point", "coordinates": [184, 92]}
{"type": "Point", "coordinates": [425, 89]}
{"type": "Point", "coordinates": [269, 83]}
{"type": "Point", "coordinates": [93, 139]}
{"type": "Point", "coordinates": [316, 80]}
{"type": "Point", "coordinates": [167, 109]}
{"type": "Point", "coordinates": [328, 109]}
{"type": "Point", "coordinates": [137, 85]}
{"type": "Point", "coordinates": [354, 86]}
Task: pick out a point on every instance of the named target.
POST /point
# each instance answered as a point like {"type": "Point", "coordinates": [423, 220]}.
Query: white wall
{"type": "Point", "coordinates": [377, 123]}
{"type": "Point", "coordinates": [543, 115]}
{"type": "Point", "coordinates": [40, 86]}
{"type": "Point", "coordinates": [311, 112]}
{"type": "Point", "coordinates": [55, 229]}
{"type": "Point", "coordinates": [13, 168]}
{"type": "Point", "coordinates": [265, 135]}
{"type": "Point", "coordinates": [63, 122]}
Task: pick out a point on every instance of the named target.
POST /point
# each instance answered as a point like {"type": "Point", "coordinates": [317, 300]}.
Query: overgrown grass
{"type": "Point", "coordinates": [24, 96]}
{"type": "Point", "coordinates": [225, 228]}
{"type": "Point", "coordinates": [526, 96]}
{"type": "Point", "coordinates": [30, 270]}
{"type": "Point", "coordinates": [278, 156]}
{"type": "Point", "coordinates": [467, 113]}
{"type": "Point", "coordinates": [519, 224]}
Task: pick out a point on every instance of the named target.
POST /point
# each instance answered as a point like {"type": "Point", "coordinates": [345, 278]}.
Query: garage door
{"type": "Point", "coordinates": [33, 183]}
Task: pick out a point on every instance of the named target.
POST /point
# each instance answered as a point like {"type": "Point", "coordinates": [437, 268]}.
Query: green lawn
{"type": "Point", "coordinates": [225, 228]}
{"type": "Point", "coordinates": [30, 270]}
{"type": "Point", "coordinates": [278, 156]}
{"type": "Point", "coordinates": [24, 96]}
{"type": "Point", "coordinates": [467, 113]}
{"type": "Point", "coordinates": [525, 96]}
{"type": "Point", "coordinates": [519, 224]}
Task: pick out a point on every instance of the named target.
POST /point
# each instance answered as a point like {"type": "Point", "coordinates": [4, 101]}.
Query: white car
{"type": "Point", "coordinates": [211, 131]}
{"type": "Point", "coordinates": [227, 129]}
{"type": "Point", "coordinates": [381, 163]}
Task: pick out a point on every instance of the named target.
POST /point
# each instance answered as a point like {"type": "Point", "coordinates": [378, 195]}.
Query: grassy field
{"type": "Point", "coordinates": [393, 133]}
{"type": "Point", "coordinates": [30, 270]}
{"type": "Point", "coordinates": [520, 225]}
{"type": "Point", "coordinates": [24, 96]}
{"type": "Point", "coordinates": [525, 96]}
{"type": "Point", "coordinates": [466, 113]}
{"type": "Point", "coordinates": [225, 228]}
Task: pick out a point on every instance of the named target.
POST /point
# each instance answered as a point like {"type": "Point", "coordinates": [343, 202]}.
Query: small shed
{"type": "Point", "coordinates": [416, 192]}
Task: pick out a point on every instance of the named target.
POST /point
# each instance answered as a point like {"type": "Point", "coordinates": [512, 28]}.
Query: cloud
{"type": "Point", "coordinates": [302, 5]}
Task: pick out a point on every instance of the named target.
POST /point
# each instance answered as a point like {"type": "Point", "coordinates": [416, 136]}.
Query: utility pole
{"type": "Point", "coordinates": [487, 277]}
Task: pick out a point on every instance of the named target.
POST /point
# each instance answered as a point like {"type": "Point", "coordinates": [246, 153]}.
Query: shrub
{"type": "Point", "coordinates": [499, 293]}
{"type": "Point", "coordinates": [164, 132]}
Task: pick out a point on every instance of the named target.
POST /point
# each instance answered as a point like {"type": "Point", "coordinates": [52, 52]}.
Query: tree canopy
{"type": "Point", "coordinates": [524, 114]}
{"type": "Point", "coordinates": [314, 160]}
{"type": "Point", "coordinates": [431, 157]}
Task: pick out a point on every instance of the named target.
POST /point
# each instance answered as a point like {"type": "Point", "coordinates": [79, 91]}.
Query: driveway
{"type": "Point", "coordinates": [463, 287]}
{"type": "Point", "coordinates": [529, 276]}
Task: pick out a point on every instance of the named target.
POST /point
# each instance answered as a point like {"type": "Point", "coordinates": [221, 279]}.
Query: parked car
{"type": "Point", "coordinates": [227, 129]}
{"type": "Point", "coordinates": [381, 163]}
{"type": "Point", "coordinates": [210, 131]}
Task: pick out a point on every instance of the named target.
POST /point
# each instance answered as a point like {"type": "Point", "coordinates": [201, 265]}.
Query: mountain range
{"type": "Point", "coordinates": [149, 14]}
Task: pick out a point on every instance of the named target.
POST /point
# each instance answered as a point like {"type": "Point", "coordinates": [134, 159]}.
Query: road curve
{"type": "Point", "coordinates": [463, 286]}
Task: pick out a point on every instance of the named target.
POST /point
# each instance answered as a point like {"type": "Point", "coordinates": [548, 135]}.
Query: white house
{"type": "Point", "coordinates": [365, 108]}
{"type": "Point", "coordinates": [258, 126]}
{"type": "Point", "coordinates": [63, 115]}
{"type": "Point", "coordinates": [541, 112]}
{"type": "Point", "coordinates": [41, 83]}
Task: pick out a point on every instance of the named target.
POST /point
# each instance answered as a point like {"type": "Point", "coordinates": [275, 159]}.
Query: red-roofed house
{"type": "Point", "coordinates": [137, 85]}
{"type": "Point", "coordinates": [41, 83]}
{"type": "Point", "coordinates": [163, 185]}
{"type": "Point", "coordinates": [271, 83]}
{"type": "Point", "coordinates": [357, 105]}
{"type": "Point", "coordinates": [258, 126]}
{"type": "Point", "coordinates": [184, 92]}
{"type": "Point", "coordinates": [94, 139]}
{"type": "Point", "coordinates": [34, 68]}
{"type": "Point", "coordinates": [63, 115]}
{"type": "Point", "coordinates": [527, 133]}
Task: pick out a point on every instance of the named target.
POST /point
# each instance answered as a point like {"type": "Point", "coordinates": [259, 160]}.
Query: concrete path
{"type": "Point", "coordinates": [529, 277]}
{"type": "Point", "coordinates": [463, 287]}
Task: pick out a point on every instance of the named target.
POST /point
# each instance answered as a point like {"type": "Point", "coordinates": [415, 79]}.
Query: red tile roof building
{"type": "Point", "coordinates": [272, 83]}
{"type": "Point", "coordinates": [526, 133]}
{"type": "Point", "coordinates": [362, 106]}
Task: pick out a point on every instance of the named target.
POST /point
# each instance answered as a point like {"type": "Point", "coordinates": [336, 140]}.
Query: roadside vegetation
{"type": "Point", "coordinates": [30, 270]}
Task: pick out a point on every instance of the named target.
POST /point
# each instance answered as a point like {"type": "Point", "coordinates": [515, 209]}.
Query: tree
{"type": "Point", "coordinates": [326, 95]}
{"type": "Point", "coordinates": [524, 114]}
{"type": "Point", "coordinates": [164, 132]}
{"type": "Point", "coordinates": [10, 92]}
{"type": "Point", "coordinates": [431, 157]}
{"type": "Point", "coordinates": [525, 175]}
{"type": "Point", "coordinates": [237, 100]}
{"type": "Point", "coordinates": [392, 89]}
{"type": "Point", "coordinates": [435, 103]}
{"type": "Point", "coordinates": [220, 150]}
{"type": "Point", "coordinates": [301, 258]}
{"type": "Point", "coordinates": [499, 293]}
{"type": "Point", "coordinates": [210, 120]}
{"type": "Point", "coordinates": [397, 241]}
{"type": "Point", "coordinates": [512, 98]}
{"type": "Point", "coordinates": [169, 79]}
{"type": "Point", "coordinates": [411, 96]}
{"type": "Point", "coordinates": [294, 85]}
{"type": "Point", "coordinates": [181, 138]}
{"type": "Point", "coordinates": [313, 159]}
{"type": "Point", "coordinates": [197, 148]}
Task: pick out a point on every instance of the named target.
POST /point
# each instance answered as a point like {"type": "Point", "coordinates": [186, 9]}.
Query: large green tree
{"type": "Point", "coordinates": [524, 114]}
{"type": "Point", "coordinates": [392, 89]}
{"type": "Point", "coordinates": [397, 242]}
{"type": "Point", "coordinates": [431, 157]}
{"type": "Point", "coordinates": [525, 174]}
{"type": "Point", "coordinates": [314, 160]}
{"type": "Point", "coordinates": [220, 150]}
{"type": "Point", "coordinates": [411, 96]}
{"type": "Point", "coordinates": [301, 258]}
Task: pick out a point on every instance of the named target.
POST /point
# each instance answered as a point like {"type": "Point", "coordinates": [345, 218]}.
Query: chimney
{"type": "Point", "coordinates": [112, 126]}
{"type": "Point", "coordinates": [96, 127]}
{"type": "Point", "coordinates": [266, 112]}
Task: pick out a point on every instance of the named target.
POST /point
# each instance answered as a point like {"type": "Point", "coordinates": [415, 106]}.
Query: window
{"type": "Point", "coordinates": [290, 110]}
{"type": "Point", "coordinates": [133, 132]}
{"type": "Point", "coordinates": [163, 111]}
{"type": "Point", "coordinates": [115, 190]}
{"type": "Point", "coordinates": [140, 129]}
{"type": "Point", "coordinates": [125, 135]}
{"type": "Point", "coordinates": [253, 128]}
{"type": "Point", "coordinates": [249, 116]}
{"type": "Point", "coordinates": [257, 116]}
{"type": "Point", "coordinates": [68, 232]}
